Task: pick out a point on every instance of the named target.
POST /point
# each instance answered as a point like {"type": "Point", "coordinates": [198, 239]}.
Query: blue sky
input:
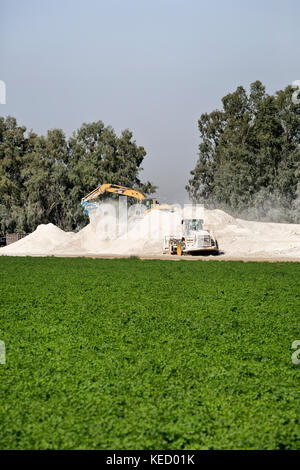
{"type": "Point", "coordinates": [150, 66]}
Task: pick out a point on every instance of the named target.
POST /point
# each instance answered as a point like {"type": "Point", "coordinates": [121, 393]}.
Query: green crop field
{"type": "Point", "coordinates": [131, 354]}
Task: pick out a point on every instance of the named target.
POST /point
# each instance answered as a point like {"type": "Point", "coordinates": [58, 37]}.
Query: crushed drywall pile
{"type": "Point", "coordinates": [143, 235]}
{"type": "Point", "coordinates": [44, 240]}
{"type": "Point", "coordinates": [260, 240]}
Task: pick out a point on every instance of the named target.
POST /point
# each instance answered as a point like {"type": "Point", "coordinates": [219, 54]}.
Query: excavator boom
{"type": "Point", "coordinates": [149, 203]}
{"type": "Point", "coordinates": [113, 188]}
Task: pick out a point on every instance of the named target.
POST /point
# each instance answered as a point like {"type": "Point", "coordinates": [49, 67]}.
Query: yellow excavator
{"type": "Point", "coordinates": [149, 203]}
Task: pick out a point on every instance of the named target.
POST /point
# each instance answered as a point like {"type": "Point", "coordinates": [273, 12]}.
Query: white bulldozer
{"type": "Point", "coordinates": [192, 238]}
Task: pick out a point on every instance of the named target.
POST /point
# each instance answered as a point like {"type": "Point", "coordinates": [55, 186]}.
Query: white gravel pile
{"type": "Point", "coordinates": [238, 239]}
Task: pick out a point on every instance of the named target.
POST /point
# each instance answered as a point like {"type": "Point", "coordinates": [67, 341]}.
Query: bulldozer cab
{"type": "Point", "coordinates": [192, 225]}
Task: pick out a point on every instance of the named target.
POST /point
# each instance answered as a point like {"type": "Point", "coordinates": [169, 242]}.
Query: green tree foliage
{"type": "Point", "coordinates": [249, 155]}
{"type": "Point", "coordinates": [43, 178]}
{"type": "Point", "coordinates": [96, 154]}
{"type": "Point", "coordinates": [12, 149]}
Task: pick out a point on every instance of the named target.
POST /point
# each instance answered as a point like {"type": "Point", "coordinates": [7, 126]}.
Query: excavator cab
{"type": "Point", "coordinates": [150, 203]}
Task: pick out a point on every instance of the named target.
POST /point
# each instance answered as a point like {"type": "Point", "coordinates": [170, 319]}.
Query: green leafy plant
{"type": "Point", "coordinates": [131, 354]}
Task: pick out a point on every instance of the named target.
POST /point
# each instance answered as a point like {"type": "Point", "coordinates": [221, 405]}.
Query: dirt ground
{"type": "Point", "coordinates": [222, 257]}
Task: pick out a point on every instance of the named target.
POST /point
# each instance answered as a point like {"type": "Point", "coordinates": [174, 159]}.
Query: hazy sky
{"type": "Point", "coordinates": [152, 66]}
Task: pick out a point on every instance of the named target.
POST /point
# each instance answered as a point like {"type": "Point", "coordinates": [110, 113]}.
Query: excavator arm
{"type": "Point", "coordinates": [113, 188]}
{"type": "Point", "coordinates": [150, 203]}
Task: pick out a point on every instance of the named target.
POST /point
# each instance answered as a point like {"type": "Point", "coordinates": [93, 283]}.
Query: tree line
{"type": "Point", "coordinates": [249, 156]}
{"type": "Point", "coordinates": [43, 178]}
